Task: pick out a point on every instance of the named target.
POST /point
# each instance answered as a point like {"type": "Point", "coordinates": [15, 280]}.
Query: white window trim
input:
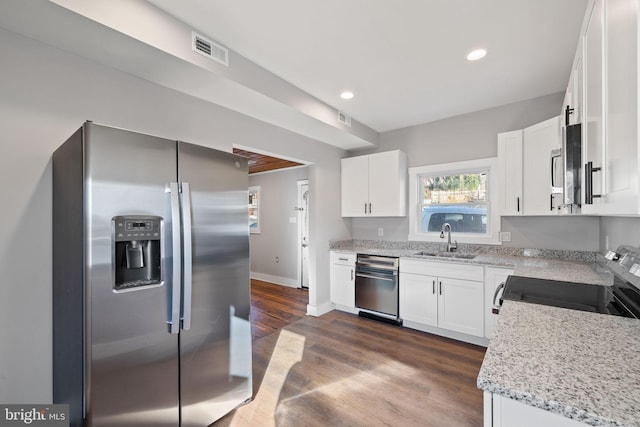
{"type": "Point", "coordinates": [493, 217]}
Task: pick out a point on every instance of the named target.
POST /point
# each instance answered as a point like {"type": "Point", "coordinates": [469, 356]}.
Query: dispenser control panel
{"type": "Point", "coordinates": [136, 252]}
{"type": "Point", "coordinates": [145, 228]}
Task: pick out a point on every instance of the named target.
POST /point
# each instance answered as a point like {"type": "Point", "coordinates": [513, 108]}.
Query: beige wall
{"type": "Point", "coordinates": [474, 136]}
{"type": "Point", "coordinates": [274, 252]}
{"type": "Point", "coordinates": [46, 95]}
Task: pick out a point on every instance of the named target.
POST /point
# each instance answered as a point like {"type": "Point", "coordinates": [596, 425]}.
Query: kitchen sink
{"type": "Point", "coordinates": [446, 255]}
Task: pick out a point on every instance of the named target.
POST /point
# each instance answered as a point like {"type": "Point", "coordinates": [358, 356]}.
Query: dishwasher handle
{"type": "Point", "coordinates": [496, 301]}
{"type": "Point", "coordinates": [376, 277]}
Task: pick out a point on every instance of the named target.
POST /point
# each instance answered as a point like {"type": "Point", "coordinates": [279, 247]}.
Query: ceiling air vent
{"type": "Point", "coordinates": [211, 50]}
{"type": "Point", "coordinates": [344, 118]}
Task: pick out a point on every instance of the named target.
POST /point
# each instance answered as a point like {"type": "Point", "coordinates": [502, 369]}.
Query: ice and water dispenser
{"type": "Point", "coordinates": [136, 258]}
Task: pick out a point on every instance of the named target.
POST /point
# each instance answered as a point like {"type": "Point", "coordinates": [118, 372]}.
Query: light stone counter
{"type": "Point", "coordinates": [585, 366]}
{"type": "Point", "coordinates": [571, 266]}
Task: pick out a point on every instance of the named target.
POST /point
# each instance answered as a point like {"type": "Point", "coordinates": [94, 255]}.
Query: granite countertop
{"type": "Point", "coordinates": [574, 266]}
{"type": "Point", "coordinates": [585, 366]}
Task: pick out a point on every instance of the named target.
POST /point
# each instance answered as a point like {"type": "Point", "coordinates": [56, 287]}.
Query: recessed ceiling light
{"type": "Point", "coordinates": [346, 95]}
{"type": "Point", "coordinates": [476, 54]}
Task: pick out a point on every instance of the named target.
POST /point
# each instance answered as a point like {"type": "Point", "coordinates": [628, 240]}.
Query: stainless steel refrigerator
{"type": "Point", "coordinates": [151, 290]}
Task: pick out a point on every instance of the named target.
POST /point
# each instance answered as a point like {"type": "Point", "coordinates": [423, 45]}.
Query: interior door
{"type": "Point", "coordinates": [215, 352]}
{"type": "Point", "coordinates": [303, 231]}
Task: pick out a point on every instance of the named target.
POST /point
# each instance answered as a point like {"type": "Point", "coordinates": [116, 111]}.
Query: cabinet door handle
{"type": "Point", "coordinates": [567, 112]}
{"type": "Point", "coordinates": [369, 208]}
{"type": "Point", "coordinates": [365, 208]}
{"type": "Point", "coordinates": [588, 183]}
{"type": "Point", "coordinates": [434, 287]}
{"type": "Point", "coordinates": [551, 202]}
{"type": "Point", "coordinates": [440, 283]}
{"type": "Point", "coordinates": [352, 274]}
{"type": "Point", "coordinates": [517, 204]}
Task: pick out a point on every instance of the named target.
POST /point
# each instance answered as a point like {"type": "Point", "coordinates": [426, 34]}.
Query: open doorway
{"type": "Point", "coordinates": [279, 247]}
{"type": "Point", "coordinates": [303, 233]}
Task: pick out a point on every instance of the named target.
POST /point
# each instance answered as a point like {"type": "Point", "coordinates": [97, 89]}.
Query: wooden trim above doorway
{"type": "Point", "coordinates": [263, 163]}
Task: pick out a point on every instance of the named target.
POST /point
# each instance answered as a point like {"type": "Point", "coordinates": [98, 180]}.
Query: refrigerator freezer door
{"type": "Point", "coordinates": [212, 383]}
{"type": "Point", "coordinates": [132, 364]}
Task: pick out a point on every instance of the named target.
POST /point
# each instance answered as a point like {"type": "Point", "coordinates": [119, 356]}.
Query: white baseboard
{"type": "Point", "coordinates": [284, 281]}
{"type": "Point", "coordinates": [346, 309]}
{"type": "Point", "coordinates": [319, 310]}
{"type": "Point", "coordinates": [481, 341]}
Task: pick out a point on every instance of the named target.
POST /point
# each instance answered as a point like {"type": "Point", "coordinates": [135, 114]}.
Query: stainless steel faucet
{"type": "Point", "coordinates": [450, 246]}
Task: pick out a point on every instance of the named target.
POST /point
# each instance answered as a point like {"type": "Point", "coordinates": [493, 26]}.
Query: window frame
{"type": "Point", "coordinates": [490, 165]}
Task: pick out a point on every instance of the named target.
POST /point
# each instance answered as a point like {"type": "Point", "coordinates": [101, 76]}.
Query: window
{"type": "Point", "coordinates": [458, 194]}
{"type": "Point", "coordinates": [254, 210]}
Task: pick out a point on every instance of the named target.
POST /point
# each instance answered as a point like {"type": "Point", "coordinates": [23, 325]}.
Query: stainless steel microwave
{"type": "Point", "coordinates": [565, 169]}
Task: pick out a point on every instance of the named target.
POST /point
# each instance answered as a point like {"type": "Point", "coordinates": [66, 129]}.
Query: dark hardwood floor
{"type": "Point", "coordinates": [343, 370]}
{"type": "Point", "coordinates": [275, 306]}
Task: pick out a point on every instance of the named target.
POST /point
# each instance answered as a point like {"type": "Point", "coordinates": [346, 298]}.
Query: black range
{"type": "Point", "coordinates": [620, 299]}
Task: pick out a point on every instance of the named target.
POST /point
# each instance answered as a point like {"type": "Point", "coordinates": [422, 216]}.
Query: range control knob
{"type": "Point", "coordinates": [612, 256]}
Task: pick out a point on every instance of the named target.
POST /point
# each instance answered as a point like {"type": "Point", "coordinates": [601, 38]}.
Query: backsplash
{"type": "Point", "coordinates": [568, 255]}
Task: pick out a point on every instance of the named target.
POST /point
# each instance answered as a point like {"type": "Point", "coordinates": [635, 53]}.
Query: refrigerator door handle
{"type": "Point", "coordinates": [187, 256]}
{"type": "Point", "coordinates": [174, 304]}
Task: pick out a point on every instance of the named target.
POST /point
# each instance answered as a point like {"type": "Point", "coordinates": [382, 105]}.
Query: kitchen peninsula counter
{"type": "Point", "coordinates": [584, 366]}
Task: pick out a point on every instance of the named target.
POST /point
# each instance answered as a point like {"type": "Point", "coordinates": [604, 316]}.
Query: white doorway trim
{"type": "Point", "coordinates": [302, 209]}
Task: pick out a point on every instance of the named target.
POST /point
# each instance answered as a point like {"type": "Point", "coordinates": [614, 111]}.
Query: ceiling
{"type": "Point", "coordinates": [405, 61]}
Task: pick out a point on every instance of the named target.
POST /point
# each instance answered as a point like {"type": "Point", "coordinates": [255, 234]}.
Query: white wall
{"type": "Point", "coordinates": [619, 231]}
{"type": "Point", "coordinates": [274, 252]}
{"type": "Point", "coordinates": [474, 136]}
{"type": "Point", "coordinates": [46, 95]}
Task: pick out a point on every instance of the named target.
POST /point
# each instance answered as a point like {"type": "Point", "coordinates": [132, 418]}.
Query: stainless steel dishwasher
{"type": "Point", "coordinates": [376, 285]}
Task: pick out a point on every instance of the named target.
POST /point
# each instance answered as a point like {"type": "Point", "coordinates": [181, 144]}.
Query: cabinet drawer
{"type": "Point", "coordinates": [344, 258]}
{"type": "Point", "coordinates": [442, 269]}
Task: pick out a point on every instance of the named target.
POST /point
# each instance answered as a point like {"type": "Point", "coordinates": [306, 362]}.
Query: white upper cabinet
{"type": "Point", "coordinates": [620, 195]}
{"type": "Point", "coordinates": [539, 140]}
{"type": "Point", "coordinates": [575, 91]}
{"type": "Point", "coordinates": [510, 172]}
{"type": "Point", "coordinates": [355, 186]}
{"type": "Point", "coordinates": [594, 120]}
{"type": "Point", "coordinates": [524, 168]}
{"type": "Point", "coordinates": [375, 185]}
{"type": "Point", "coordinates": [610, 126]}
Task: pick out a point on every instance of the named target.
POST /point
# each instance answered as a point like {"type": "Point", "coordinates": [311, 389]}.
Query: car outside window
{"type": "Point", "coordinates": [461, 218]}
{"type": "Point", "coordinates": [461, 194]}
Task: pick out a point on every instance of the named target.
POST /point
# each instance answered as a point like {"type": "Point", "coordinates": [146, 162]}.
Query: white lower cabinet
{"type": "Point", "coordinates": [419, 298]}
{"type": "Point", "coordinates": [501, 411]}
{"type": "Point", "coordinates": [493, 277]}
{"type": "Point", "coordinates": [342, 279]}
{"type": "Point", "coordinates": [460, 305]}
{"type": "Point", "coordinates": [445, 295]}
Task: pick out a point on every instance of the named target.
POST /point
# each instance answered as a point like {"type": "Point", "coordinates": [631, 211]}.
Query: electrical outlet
{"type": "Point", "coordinates": [277, 259]}
{"type": "Point", "coordinates": [380, 232]}
{"type": "Point", "coordinates": [292, 220]}
{"type": "Point", "coordinates": [606, 242]}
{"type": "Point", "coordinates": [504, 236]}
